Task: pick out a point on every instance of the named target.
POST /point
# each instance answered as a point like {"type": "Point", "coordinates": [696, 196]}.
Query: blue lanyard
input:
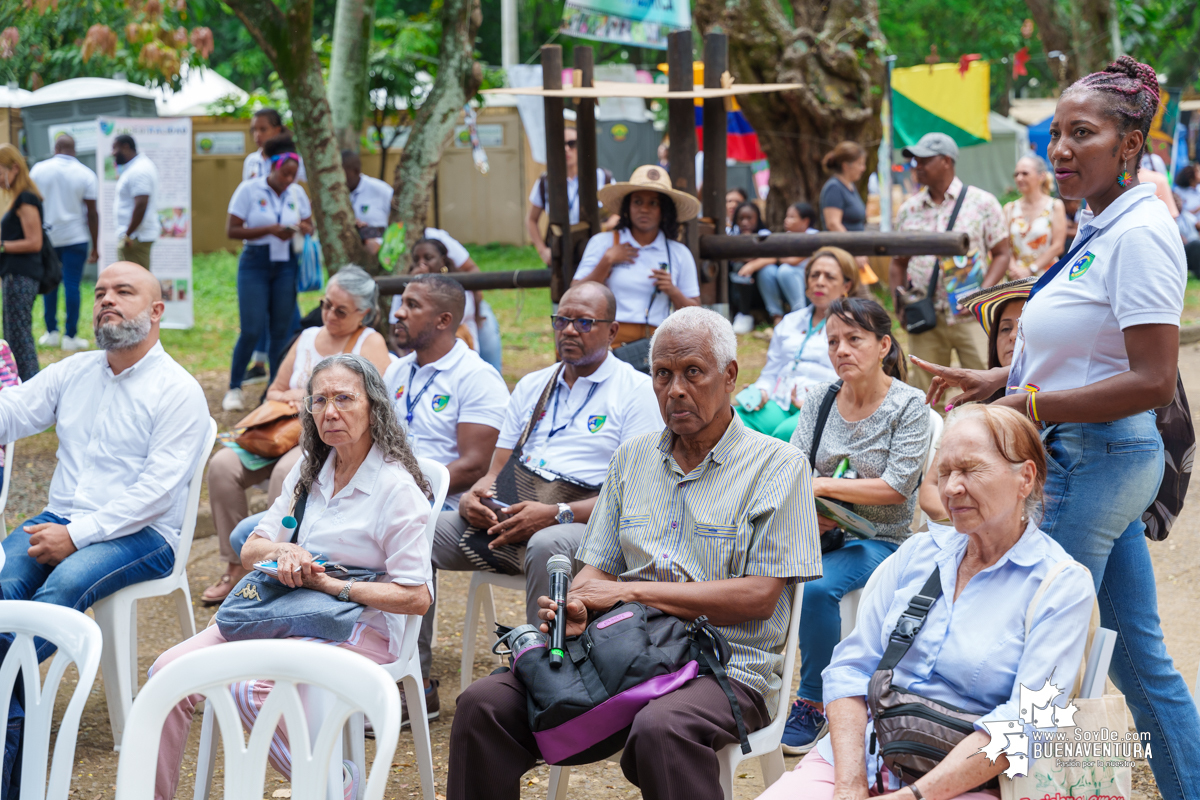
{"type": "Point", "coordinates": [807, 336]}
{"type": "Point", "coordinates": [554, 415]}
{"type": "Point", "coordinates": [1049, 274]}
{"type": "Point", "coordinates": [411, 401]}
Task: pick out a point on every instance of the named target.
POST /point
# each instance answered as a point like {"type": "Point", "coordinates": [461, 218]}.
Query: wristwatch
{"type": "Point", "coordinates": [344, 594]}
{"type": "Point", "coordinates": [565, 515]}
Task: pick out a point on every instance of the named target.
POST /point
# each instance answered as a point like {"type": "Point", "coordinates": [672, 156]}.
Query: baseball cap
{"type": "Point", "coordinates": [932, 144]}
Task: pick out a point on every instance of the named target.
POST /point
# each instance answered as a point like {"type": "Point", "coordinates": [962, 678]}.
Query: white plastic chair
{"type": "Point", "coordinates": [765, 744]}
{"type": "Point", "coordinates": [346, 684]}
{"type": "Point", "coordinates": [480, 599]}
{"type": "Point", "coordinates": [117, 613]}
{"type": "Point", "coordinates": [78, 640]}
{"type": "Point", "coordinates": [10, 451]}
{"type": "Point", "coordinates": [406, 668]}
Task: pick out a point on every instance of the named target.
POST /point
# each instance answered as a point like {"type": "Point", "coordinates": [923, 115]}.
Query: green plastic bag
{"type": "Point", "coordinates": [392, 249]}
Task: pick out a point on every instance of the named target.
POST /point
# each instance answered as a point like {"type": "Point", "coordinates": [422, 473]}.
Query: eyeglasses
{"type": "Point", "coordinates": [582, 324]}
{"type": "Point", "coordinates": [571, 144]}
{"type": "Point", "coordinates": [338, 312]}
{"type": "Point", "coordinates": [317, 403]}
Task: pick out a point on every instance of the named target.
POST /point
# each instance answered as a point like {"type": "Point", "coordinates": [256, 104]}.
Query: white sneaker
{"type": "Point", "coordinates": [234, 401]}
{"type": "Point", "coordinates": [49, 339]}
{"type": "Point", "coordinates": [72, 343]}
{"type": "Point", "coordinates": [743, 323]}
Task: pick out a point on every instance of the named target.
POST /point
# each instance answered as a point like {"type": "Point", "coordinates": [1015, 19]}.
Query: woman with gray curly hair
{"type": "Point", "coordinates": [366, 505]}
{"type": "Point", "coordinates": [347, 311]}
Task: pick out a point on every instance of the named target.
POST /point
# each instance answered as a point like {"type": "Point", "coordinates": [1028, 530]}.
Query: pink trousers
{"type": "Point", "coordinates": [249, 697]}
{"type": "Point", "coordinates": [812, 779]}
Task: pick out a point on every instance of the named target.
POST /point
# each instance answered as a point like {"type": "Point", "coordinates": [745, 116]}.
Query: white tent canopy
{"type": "Point", "coordinates": [200, 88]}
{"type": "Point", "coordinates": [14, 97]}
{"type": "Point", "coordinates": [86, 89]}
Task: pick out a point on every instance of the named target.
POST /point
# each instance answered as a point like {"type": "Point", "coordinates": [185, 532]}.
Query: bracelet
{"type": "Point", "coordinates": [1031, 402]}
{"type": "Point", "coordinates": [916, 792]}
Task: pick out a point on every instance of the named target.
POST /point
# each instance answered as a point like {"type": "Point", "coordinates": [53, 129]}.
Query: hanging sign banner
{"type": "Point", "coordinates": [641, 23]}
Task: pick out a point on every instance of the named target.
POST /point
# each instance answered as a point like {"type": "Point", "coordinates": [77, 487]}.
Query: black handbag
{"type": "Point", "coordinates": [833, 539]}
{"type": "Point", "coordinates": [51, 267]}
{"type": "Point", "coordinates": [921, 316]}
{"type": "Point", "coordinates": [1178, 434]}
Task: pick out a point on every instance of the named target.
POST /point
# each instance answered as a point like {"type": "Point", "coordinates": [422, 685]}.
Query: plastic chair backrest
{"type": "Point", "coordinates": [188, 530]}
{"type": "Point", "coordinates": [870, 587]}
{"type": "Point", "coordinates": [352, 683]}
{"type": "Point", "coordinates": [78, 639]}
{"type": "Point", "coordinates": [789, 655]}
{"type": "Point", "coordinates": [439, 483]}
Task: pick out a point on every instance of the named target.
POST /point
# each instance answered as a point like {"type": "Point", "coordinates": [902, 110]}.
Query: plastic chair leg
{"type": "Point", "coordinates": [560, 779]}
{"type": "Point", "coordinates": [470, 624]}
{"type": "Point", "coordinates": [419, 725]}
{"type": "Point", "coordinates": [113, 616]}
{"type": "Point", "coordinates": [729, 765]}
{"type": "Point", "coordinates": [354, 743]}
{"type": "Point", "coordinates": [183, 605]}
{"type": "Point", "coordinates": [133, 653]}
{"type": "Point", "coordinates": [772, 766]}
{"type": "Point", "coordinates": [206, 760]}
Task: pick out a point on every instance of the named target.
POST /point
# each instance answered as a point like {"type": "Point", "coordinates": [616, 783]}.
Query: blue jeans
{"type": "Point", "coordinates": [261, 351]}
{"type": "Point", "coordinates": [266, 302]}
{"type": "Point", "coordinates": [490, 349]}
{"type": "Point", "coordinates": [86, 575]}
{"type": "Point", "coordinates": [1100, 478]}
{"type": "Point", "coordinates": [777, 283]}
{"type": "Point", "coordinates": [844, 570]}
{"type": "Point", "coordinates": [241, 532]}
{"type": "Point", "coordinates": [72, 257]}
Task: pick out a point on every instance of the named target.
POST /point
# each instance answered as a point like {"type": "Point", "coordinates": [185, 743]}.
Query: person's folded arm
{"type": "Point", "coordinates": [175, 442]}
{"type": "Point", "coordinates": [860, 491]}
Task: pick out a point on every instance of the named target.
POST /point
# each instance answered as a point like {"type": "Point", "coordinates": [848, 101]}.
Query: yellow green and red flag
{"type": "Point", "coordinates": [941, 98]}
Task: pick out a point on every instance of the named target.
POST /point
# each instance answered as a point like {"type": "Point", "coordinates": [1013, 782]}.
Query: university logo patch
{"type": "Point", "coordinates": [400, 393]}
{"type": "Point", "coordinates": [439, 402]}
{"type": "Point", "coordinates": [596, 422]}
{"type": "Point", "coordinates": [291, 205]}
{"type": "Point", "coordinates": [365, 208]}
{"type": "Point", "coordinates": [262, 202]}
{"type": "Point", "coordinates": [1081, 265]}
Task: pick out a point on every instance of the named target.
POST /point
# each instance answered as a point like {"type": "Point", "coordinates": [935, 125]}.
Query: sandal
{"type": "Point", "coordinates": [216, 594]}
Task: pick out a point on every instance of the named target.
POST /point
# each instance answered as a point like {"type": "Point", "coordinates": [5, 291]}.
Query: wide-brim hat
{"type": "Point", "coordinates": [649, 178]}
{"type": "Point", "coordinates": [983, 303]}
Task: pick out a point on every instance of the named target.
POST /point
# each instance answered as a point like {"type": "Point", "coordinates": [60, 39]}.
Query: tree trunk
{"type": "Point", "coordinates": [833, 50]}
{"type": "Point", "coordinates": [1081, 29]}
{"type": "Point", "coordinates": [348, 97]}
{"type": "Point", "coordinates": [458, 78]}
{"type": "Point", "coordinates": [286, 39]}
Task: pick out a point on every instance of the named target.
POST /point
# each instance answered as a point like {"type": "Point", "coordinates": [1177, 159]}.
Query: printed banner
{"type": "Point", "coordinates": [642, 23]}
{"type": "Point", "coordinates": [167, 143]}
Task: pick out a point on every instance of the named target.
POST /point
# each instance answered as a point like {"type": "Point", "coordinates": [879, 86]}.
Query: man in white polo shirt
{"type": "Point", "coordinates": [136, 202]}
{"type": "Point", "coordinates": [131, 424]}
{"type": "Point", "coordinates": [371, 200]}
{"type": "Point", "coordinates": [450, 400]}
{"type": "Point", "coordinates": [69, 192]}
{"type": "Point", "coordinates": [597, 403]}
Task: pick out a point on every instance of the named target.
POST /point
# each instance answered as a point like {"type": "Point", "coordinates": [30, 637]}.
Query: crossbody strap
{"type": "Point", "coordinates": [911, 621]}
{"type": "Point", "coordinates": [936, 275]}
{"type": "Point", "coordinates": [298, 514]}
{"type": "Point", "coordinates": [822, 417]}
{"type": "Point", "coordinates": [1050, 274]}
{"type": "Point", "coordinates": [537, 410]}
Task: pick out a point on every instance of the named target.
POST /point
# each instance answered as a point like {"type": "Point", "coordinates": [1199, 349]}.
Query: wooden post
{"type": "Point", "coordinates": [557, 212]}
{"type": "Point", "coordinates": [585, 150]}
{"type": "Point", "coordinates": [716, 61]}
{"type": "Point", "coordinates": [681, 125]}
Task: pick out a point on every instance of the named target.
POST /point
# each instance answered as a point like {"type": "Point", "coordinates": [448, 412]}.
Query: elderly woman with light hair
{"type": "Point", "coordinates": [366, 505]}
{"type": "Point", "coordinates": [347, 312]}
{"type": "Point", "coordinates": [988, 606]}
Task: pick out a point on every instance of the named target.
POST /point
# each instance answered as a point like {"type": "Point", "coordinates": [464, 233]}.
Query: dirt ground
{"type": "Point", "coordinates": [1177, 566]}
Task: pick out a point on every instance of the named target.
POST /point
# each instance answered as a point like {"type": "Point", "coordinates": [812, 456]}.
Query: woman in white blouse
{"type": "Point", "coordinates": [798, 356]}
{"type": "Point", "coordinates": [648, 271]}
{"type": "Point", "coordinates": [367, 507]}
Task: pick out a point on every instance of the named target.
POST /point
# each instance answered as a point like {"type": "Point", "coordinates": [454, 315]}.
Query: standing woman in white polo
{"type": "Point", "coordinates": [266, 212]}
{"type": "Point", "coordinates": [648, 271]}
{"type": "Point", "coordinates": [1097, 351]}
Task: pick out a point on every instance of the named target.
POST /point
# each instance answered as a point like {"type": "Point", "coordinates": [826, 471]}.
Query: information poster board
{"type": "Point", "coordinates": [167, 143]}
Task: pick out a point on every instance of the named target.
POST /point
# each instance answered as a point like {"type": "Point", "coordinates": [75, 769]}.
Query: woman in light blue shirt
{"type": "Point", "coordinates": [972, 651]}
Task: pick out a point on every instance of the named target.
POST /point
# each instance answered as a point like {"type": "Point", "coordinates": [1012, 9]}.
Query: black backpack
{"type": "Point", "coordinates": [51, 266]}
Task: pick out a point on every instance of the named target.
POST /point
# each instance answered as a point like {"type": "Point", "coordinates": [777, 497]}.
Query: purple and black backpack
{"type": "Point", "coordinates": [628, 656]}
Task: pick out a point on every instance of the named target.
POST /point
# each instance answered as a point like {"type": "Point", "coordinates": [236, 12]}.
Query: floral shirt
{"type": "Point", "coordinates": [981, 217]}
{"type": "Point", "coordinates": [1030, 238]}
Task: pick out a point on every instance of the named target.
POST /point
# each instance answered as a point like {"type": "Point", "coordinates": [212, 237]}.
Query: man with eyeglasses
{"type": "Point", "coordinates": [596, 403]}
{"type": "Point", "coordinates": [537, 195]}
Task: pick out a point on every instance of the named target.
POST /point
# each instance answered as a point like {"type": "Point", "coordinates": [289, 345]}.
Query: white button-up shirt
{"type": "Point", "coordinates": [257, 205]}
{"type": "Point", "coordinates": [632, 282]}
{"type": "Point", "coordinates": [65, 184]}
{"type": "Point", "coordinates": [127, 443]}
{"type": "Point", "coordinates": [460, 387]}
{"type": "Point", "coordinates": [592, 419]}
{"type": "Point", "coordinates": [138, 178]}
{"type": "Point", "coordinates": [798, 356]}
{"type": "Point", "coordinates": [256, 165]}
{"type": "Point", "coordinates": [376, 522]}
{"type": "Point", "coordinates": [372, 201]}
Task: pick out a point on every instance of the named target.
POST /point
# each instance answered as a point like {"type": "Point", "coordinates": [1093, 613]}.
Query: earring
{"type": "Point", "coordinates": [1124, 179]}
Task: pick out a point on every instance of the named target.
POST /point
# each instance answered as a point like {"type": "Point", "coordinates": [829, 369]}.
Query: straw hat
{"type": "Point", "coordinates": [649, 178]}
{"type": "Point", "coordinates": [982, 304]}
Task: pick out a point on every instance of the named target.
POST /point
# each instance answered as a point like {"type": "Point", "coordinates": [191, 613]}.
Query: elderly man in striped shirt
{"type": "Point", "coordinates": [708, 519]}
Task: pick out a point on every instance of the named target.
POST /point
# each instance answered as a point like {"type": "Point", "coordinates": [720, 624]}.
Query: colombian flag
{"type": "Point", "coordinates": [741, 142]}
{"type": "Point", "coordinates": [941, 98]}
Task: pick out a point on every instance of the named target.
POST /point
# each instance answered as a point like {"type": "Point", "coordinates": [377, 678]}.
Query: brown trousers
{"type": "Point", "coordinates": [135, 251]}
{"type": "Point", "coordinates": [671, 753]}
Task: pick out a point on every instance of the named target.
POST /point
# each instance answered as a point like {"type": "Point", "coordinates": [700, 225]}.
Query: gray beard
{"type": "Point", "coordinates": [124, 334]}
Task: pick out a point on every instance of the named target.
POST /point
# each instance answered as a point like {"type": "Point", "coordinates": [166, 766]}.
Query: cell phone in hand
{"type": "Point", "coordinates": [749, 398]}
{"type": "Point", "coordinates": [496, 506]}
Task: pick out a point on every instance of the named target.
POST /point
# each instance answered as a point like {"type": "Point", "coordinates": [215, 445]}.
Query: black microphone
{"type": "Point", "coordinates": [560, 569]}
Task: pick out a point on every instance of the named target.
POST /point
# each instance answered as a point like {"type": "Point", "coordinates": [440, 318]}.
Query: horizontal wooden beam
{"type": "Point", "coordinates": [475, 281]}
{"type": "Point", "coordinates": [857, 243]}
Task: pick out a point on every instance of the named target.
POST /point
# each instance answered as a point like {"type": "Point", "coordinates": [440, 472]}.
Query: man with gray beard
{"type": "Point", "coordinates": [131, 423]}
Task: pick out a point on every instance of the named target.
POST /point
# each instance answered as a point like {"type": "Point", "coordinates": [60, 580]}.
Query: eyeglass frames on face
{"type": "Point", "coordinates": [582, 324]}
{"type": "Point", "coordinates": [340, 313]}
{"type": "Point", "coordinates": [317, 403]}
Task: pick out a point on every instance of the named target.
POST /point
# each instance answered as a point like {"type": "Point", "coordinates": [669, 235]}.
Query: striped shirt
{"type": "Point", "coordinates": [745, 510]}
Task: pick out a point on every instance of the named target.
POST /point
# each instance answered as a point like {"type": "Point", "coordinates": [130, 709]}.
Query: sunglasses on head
{"type": "Point", "coordinates": [582, 324]}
